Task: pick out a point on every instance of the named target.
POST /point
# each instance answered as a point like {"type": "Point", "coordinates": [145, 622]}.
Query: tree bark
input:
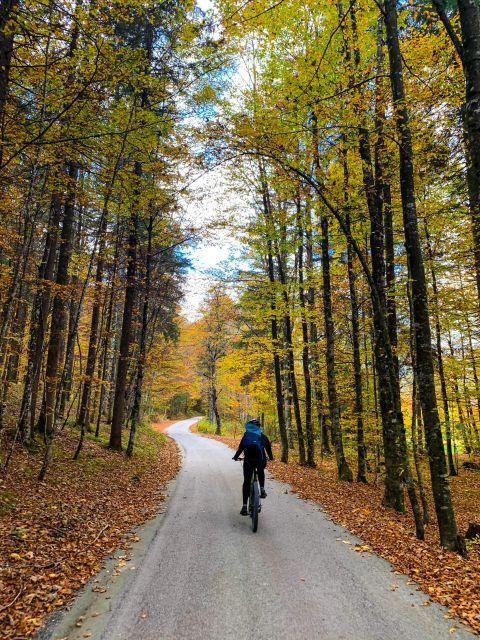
{"type": "Point", "coordinates": [438, 469]}
{"type": "Point", "coordinates": [7, 10]}
{"type": "Point", "coordinates": [142, 351]}
{"type": "Point", "coordinates": [274, 323]}
{"type": "Point", "coordinates": [441, 372]}
{"type": "Point", "coordinates": [469, 12]}
{"type": "Point", "coordinates": [118, 411]}
{"type": "Point", "coordinates": [357, 364]}
{"type": "Point", "coordinates": [59, 315]}
{"type": "Point", "coordinates": [305, 347]}
{"type": "Point", "coordinates": [344, 471]}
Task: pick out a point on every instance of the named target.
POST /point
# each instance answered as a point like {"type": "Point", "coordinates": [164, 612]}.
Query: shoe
{"type": "Point", "coordinates": [244, 511]}
{"type": "Point", "coordinates": [263, 493]}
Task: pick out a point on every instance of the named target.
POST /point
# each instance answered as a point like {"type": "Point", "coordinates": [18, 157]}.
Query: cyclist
{"type": "Point", "coordinates": [253, 444]}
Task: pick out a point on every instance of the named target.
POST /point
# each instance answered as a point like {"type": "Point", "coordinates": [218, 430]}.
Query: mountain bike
{"type": "Point", "coordinates": [254, 502]}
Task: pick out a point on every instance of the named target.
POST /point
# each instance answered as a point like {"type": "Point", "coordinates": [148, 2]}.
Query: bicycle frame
{"type": "Point", "coordinates": [254, 505]}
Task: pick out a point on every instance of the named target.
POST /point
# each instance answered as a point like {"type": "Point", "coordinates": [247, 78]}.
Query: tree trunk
{"type": "Point", "coordinates": [6, 49]}
{"type": "Point", "coordinates": [83, 415]}
{"type": "Point", "coordinates": [357, 368]}
{"type": "Point", "coordinates": [441, 373]}
{"type": "Point", "coordinates": [424, 360]}
{"type": "Point", "coordinates": [38, 323]}
{"type": "Point", "coordinates": [344, 471]}
{"type": "Point", "coordinates": [315, 359]}
{"type": "Point", "coordinates": [305, 348]}
{"type": "Point", "coordinates": [274, 323]}
{"type": "Point", "coordinates": [142, 351]}
{"type": "Point", "coordinates": [118, 411]}
{"type": "Point", "coordinates": [357, 365]}
{"type": "Point", "coordinates": [59, 316]}
{"type": "Point", "coordinates": [469, 11]}
{"type": "Point", "coordinates": [289, 354]}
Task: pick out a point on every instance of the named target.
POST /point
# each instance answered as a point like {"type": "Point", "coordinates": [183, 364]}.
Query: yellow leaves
{"type": "Point", "coordinates": [205, 95]}
{"type": "Point", "coordinates": [363, 548]}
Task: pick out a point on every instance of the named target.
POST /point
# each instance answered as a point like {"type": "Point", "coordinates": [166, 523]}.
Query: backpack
{"type": "Point", "coordinates": [252, 442]}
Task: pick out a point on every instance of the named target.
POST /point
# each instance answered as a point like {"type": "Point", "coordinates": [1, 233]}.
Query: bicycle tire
{"type": "Point", "coordinates": [255, 505]}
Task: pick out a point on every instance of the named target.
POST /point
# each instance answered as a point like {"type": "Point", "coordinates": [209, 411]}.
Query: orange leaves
{"type": "Point", "coordinates": [55, 535]}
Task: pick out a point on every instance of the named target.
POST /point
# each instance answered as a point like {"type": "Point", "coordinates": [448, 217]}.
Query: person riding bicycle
{"type": "Point", "coordinates": [253, 444]}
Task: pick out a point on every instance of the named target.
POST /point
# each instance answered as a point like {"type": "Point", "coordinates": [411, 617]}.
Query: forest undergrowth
{"type": "Point", "coordinates": [444, 576]}
{"type": "Point", "coordinates": [56, 534]}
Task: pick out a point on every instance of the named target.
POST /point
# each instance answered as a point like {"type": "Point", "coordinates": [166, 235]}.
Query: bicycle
{"type": "Point", "coordinates": [254, 503]}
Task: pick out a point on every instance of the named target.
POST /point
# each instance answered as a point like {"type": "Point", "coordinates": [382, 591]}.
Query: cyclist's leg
{"type": "Point", "coordinates": [247, 479]}
{"type": "Point", "coordinates": [261, 479]}
{"type": "Point", "coordinates": [261, 475]}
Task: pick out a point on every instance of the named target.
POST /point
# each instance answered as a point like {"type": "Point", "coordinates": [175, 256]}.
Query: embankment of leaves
{"type": "Point", "coordinates": [445, 576]}
{"type": "Point", "coordinates": [55, 534]}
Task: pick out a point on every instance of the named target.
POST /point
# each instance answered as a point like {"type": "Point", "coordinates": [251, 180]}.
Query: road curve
{"type": "Point", "coordinates": [206, 575]}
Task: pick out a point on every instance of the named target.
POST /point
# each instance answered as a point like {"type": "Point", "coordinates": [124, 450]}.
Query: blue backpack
{"type": "Point", "coordinates": [252, 440]}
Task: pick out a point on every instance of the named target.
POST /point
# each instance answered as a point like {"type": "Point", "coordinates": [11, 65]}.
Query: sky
{"type": "Point", "coordinates": [211, 200]}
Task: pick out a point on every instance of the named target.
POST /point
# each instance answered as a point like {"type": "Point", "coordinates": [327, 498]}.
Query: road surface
{"type": "Point", "coordinates": [201, 573]}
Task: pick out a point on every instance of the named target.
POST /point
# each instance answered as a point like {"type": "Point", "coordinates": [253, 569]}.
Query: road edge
{"type": "Point", "coordinates": [89, 613]}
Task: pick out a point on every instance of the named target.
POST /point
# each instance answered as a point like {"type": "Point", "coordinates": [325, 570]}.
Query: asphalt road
{"type": "Point", "coordinates": [203, 574]}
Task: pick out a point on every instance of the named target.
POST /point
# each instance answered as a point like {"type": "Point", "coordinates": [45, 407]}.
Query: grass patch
{"type": "Point", "coordinates": [7, 501]}
{"type": "Point", "coordinates": [230, 428]}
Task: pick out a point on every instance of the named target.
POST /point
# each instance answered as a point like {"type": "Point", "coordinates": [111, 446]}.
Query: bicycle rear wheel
{"type": "Point", "coordinates": [255, 504]}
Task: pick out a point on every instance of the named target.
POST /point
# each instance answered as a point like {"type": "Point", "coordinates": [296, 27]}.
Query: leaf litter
{"type": "Point", "coordinates": [56, 534]}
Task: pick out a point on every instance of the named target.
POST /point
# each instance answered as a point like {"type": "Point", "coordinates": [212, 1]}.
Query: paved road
{"type": "Point", "coordinates": [206, 575]}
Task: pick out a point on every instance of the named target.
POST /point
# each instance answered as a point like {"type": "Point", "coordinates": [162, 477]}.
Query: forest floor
{"type": "Point", "coordinates": [55, 534]}
{"type": "Point", "coordinates": [445, 576]}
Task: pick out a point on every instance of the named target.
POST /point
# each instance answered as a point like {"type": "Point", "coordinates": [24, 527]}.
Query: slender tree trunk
{"type": "Point", "coordinates": [441, 372]}
{"type": "Point", "coordinates": [315, 359]}
{"type": "Point", "coordinates": [216, 413]}
{"type": "Point", "coordinates": [357, 364]}
{"type": "Point", "coordinates": [38, 323]}
{"type": "Point", "coordinates": [142, 352]}
{"type": "Point", "coordinates": [107, 343]}
{"type": "Point", "coordinates": [289, 351]}
{"type": "Point", "coordinates": [118, 411]}
{"type": "Point", "coordinates": [469, 12]}
{"type": "Point", "coordinates": [424, 360]}
{"type": "Point", "coordinates": [415, 413]}
{"type": "Point", "coordinates": [7, 10]}
{"type": "Point", "coordinates": [387, 372]}
{"type": "Point", "coordinates": [287, 403]}
{"type": "Point", "coordinates": [344, 471]}
{"type": "Point", "coordinates": [59, 315]}
{"type": "Point", "coordinates": [305, 349]}
{"type": "Point", "coordinates": [357, 368]}
{"type": "Point", "coordinates": [475, 378]}
{"type": "Point", "coordinates": [274, 323]}
{"type": "Point", "coordinates": [287, 324]}
{"type": "Point", "coordinates": [83, 416]}
{"type": "Point", "coordinates": [416, 455]}
{"type": "Point", "coordinates": [392, 420]}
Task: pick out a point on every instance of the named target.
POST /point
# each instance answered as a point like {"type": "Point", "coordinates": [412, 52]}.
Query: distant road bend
{"type": "Point", "coordinates": [204, 575]}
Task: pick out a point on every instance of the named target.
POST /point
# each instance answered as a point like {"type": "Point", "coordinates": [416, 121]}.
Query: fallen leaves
{"type": "Point", "coordinates": [55, 534]}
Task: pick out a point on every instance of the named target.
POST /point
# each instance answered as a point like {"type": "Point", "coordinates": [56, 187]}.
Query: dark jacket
{"type": "Point", "coordinates": [252, 456]}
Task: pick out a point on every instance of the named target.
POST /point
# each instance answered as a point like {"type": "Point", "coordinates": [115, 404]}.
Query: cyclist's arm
{"type": "Point", "coordinates": [239, 450]}
{"type": "Point", "coordinates": [267, 446]}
